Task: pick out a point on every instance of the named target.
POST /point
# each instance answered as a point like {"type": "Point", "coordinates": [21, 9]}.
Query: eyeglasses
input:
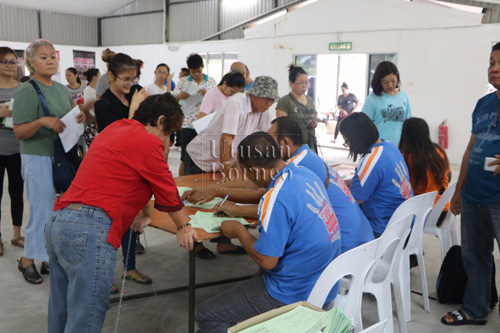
{"type": "Point", "coordinates": [302, 83]}
{"type": "Point", "coordinates": [6, 63]}
{"type": "Point", "coordinates": [495, 119]}
{"type": "Point", "coordinates": [162, 72]}
{"type": "Point", "coordinates": [129, 80]}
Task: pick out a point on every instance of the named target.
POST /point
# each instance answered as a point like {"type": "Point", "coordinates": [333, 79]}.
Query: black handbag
{"type": "Point", "coordinates": [65, 164]}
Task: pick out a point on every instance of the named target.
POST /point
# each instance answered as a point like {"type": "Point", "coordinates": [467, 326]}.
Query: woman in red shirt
{"type": "Point", "coordinates": [427, 161]}
{"type": "Point", "coordinates": [125, 166]}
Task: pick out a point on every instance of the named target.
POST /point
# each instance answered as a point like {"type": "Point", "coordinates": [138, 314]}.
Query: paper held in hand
{"type": "Point", "coordinates": [8, 121]}
{"type": "Point", "coordinates": [73, 131]}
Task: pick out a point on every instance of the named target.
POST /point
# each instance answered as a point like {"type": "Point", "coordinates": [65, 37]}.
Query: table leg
{"type": "Point", "coordinates": [192, 274]}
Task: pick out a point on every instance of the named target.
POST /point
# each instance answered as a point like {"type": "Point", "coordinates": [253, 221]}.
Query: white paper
{"type": "Point", "coordinates": [201, 124]}
{"type": "Point", "coordinates": [8, 121]}
{"type": "Point", "coordinates": [71, 134]}
{"type": "Point", "coordinates": [191, 102]}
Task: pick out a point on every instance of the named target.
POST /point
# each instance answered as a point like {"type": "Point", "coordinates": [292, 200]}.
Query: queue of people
{"type": "Point", "coordinates": [307, 214]}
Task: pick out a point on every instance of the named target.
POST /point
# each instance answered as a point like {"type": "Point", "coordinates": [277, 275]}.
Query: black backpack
{"type": "Point", "coordinates": [451, 280]}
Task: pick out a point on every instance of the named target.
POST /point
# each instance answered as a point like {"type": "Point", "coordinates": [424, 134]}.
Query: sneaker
{"type": "Point", "coordinates": [139, 249]}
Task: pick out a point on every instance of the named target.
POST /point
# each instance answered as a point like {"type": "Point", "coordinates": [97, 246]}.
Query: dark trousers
{"type": "Point", "coordinates": [12, 163]}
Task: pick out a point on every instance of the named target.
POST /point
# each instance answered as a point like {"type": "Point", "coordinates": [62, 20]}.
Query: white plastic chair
{"type": "Point", "coordinates": [356, 263]}
{"type": "Point", "coordinates": [447, 232]}
{"type": "Point", "coordinates": [376, 328]}
{"type": "Point", "coordinates": [422, 206]}
{"type": "Point", "coordinates": [384, 272]}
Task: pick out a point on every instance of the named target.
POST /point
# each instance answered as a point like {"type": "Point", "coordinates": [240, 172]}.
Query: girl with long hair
{"type": "Point", "coordinates": [427, 161]}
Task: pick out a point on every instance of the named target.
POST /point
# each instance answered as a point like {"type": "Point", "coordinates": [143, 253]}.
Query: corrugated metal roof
{"type": "Point", "coordinates": [138, 7]}
{"type": "Point", "coordinates": [192, 21]}
{"type": "Point", "coordinates": [18, 24]}
{"type": "Point", "coordinates": [131, 30]}
{"type": "Point", "coordinates": [69, 29]}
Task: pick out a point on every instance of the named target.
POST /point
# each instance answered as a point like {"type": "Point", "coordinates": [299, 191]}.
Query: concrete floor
{"type": "Point", "coordinates": [24, 306]}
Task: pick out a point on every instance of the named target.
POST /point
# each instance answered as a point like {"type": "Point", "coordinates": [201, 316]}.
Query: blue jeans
{"type": "Point", "coordinates": [37, 174]}
{"type": "Point", "coordinates": [480, 227]}
{"type": "Point", "coordinates": [130, 250]}
{"type": "Point", "coordinates": [235, 305]}
{"type": "Point", "coordinates": [82, 267]}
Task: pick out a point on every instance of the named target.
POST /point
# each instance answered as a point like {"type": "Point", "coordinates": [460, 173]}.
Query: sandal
{"type": "Point", "coordinates": [204, 253]}
{"type": "Point", "coordinates": [1, 248]}
{"type": "Point", "coordinates": [30, 273]}
{"type": "Point", "coordinates": [19, 242]}
{"type": "Point", "coordinates": [139, 276]}
{"type": "Point", "coordinates": [45, 268]}
{"type": "Point", "coordinates": [114, 290]}
{"type": "Point", "coordinates": [460, 318]}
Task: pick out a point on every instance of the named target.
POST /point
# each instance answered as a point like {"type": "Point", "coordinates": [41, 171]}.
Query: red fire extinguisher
{"type": "Point", "coordinates": [443, 134]}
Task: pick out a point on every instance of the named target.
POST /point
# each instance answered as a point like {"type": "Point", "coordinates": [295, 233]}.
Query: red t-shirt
{"type": "Point", "coordinates": [122, 168]}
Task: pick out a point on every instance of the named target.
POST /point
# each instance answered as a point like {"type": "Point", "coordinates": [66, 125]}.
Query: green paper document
{"type": "Point", "coordinates": [207, 205]}
{"type": "Point", "coordinates": [210, 223]}
{"type": "Point", "coordinates": [304, 320]}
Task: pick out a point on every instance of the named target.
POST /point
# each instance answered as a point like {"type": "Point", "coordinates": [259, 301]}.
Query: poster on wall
{"type": "Point", "coordinates": [20, 64]}
{"type": "Point", "coordinates": [83, 60]}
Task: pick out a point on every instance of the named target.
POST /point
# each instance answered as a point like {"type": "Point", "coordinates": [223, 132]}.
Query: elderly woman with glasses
{"type": "Point", "coordinates": [300, 106]}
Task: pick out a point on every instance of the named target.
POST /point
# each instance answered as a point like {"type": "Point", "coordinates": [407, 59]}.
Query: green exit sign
{"type": "Point", "coordinates": [344, 46]}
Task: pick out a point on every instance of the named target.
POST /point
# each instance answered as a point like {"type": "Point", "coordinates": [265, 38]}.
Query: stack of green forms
{"type": "Point", "coordinates": [207, 205]}
{"type": "Point", "coordinates": [305, 320]}
{"type": "Point", "coordinates": [210, 223]}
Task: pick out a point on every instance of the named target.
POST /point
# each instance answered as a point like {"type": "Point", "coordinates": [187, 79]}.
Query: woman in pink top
{"type": "Point", "coordinates": [230, 84]}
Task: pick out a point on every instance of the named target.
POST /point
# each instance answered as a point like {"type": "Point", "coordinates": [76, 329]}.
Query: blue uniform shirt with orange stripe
{"type": "Point", "coordinates": [381, 181]}
{"type": "Point", "coordinates": [298, 225]}
{"type": "Point", "coordinates": [355, 228]}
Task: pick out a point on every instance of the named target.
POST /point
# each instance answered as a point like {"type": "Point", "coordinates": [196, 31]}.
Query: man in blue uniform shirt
{"type": "Point", "coordinates": [299, 237]}
{"type": "Point", "coordinates": [355, 228]}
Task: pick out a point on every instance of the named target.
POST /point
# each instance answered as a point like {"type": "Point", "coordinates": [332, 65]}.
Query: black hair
{"type": "Point", "coordinates": [185, 71]}
{"type": "Point", "coordinates": [290, 128]}
{"type": "Point", "coordinates": [122, 62]}
{"type": "Point", "coordinates": [75, 72]}
{"type": "Point", "coordinates": [361, 133]}
{"type": "Point", "coordinates": [233, 79]}
{"type": "Point", "coordinates": [416, 145]}
{"type": "Point", "coordinates": [294, 71]}
{"type": "Point", "coordinates": [91, 73]}
{"type": "Point", "coordinates": [150, 110]}
{"type": "Point", "coordinates": [495, 47]}
{"type": "Point", "coordinates": [162, 65]}
{"type": "Point", "coordinates": [383, 69]}
{"type": "Point", "coordinates": [344, 85]}
{"type": "Point", "coordinates": [4, 50]}
{"type": "Point", "coordinates": [194, 61]}
{"type": "Point", "coordinates": [25, 78]}
{"type": "Point", "coordinates": [258, 150]}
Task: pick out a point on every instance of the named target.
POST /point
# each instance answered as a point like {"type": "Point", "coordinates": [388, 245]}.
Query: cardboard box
{"type": "Point", "coordinates": [270, 314]}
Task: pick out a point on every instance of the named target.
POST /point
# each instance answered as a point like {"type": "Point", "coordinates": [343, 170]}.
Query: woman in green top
{"type": "Point", "coordinates": [300, 106]}
{"type": "Point", "coordinates": [36, 133]}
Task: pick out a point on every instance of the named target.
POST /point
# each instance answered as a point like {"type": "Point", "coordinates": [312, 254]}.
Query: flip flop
{"type": "Point", "coordinates": [17, 242]}
{"type": "Point", "coordinates": [459, 318]}
{"type": "Point", "coordinates": [239, 250]}
{"type": "Point", "coordinates": [139, 276]}
{"type": "Point", "coordinates": [114, 290]}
